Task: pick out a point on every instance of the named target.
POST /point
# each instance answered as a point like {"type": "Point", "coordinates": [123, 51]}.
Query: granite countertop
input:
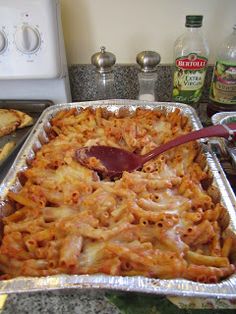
{"type": "Point", "coordinates": [92, 302]}
{"type": "Point", "coordinates": [57, 302]}
{"type": "Point", "coordinates": [81, 78]}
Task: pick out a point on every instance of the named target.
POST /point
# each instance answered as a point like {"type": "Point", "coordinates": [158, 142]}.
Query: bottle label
{"type": "Point", "coordinates": [223, 85]}
{"type": "Point", "coordinates": [189, 78]}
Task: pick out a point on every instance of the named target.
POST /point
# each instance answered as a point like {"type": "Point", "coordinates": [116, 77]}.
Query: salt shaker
{"type": "Point", "coordinates": [148, 61]}
{"type": "Point", "coordinates": [104, 62]}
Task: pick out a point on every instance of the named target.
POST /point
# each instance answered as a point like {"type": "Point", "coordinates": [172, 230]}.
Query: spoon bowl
{"type": "Point", "coordinates": [113, 160]}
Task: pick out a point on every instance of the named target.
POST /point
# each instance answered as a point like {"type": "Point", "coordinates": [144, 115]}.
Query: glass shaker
{"type": "Point", "coordinates": [148, 61]}
{"type": "Point", "coordinates": [104, 62]}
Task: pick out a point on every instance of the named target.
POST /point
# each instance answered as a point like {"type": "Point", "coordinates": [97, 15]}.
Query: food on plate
{"type": "Point", "coordinates": [6, 150]}
{"type": "Point", "coordinates": [164, 221]}
{"type": "Point", "coordinates": [10, 120]}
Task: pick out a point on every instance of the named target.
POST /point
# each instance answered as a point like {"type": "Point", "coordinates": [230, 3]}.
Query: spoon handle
{"type": "Point", "coordinates": [227, 131]}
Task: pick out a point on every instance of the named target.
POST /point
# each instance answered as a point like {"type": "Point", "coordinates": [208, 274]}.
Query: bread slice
{"type": "Point", "coordinates": [26, 120]}
{"type": "Point", "coordinates": [9, 121]}
{"type": "Point", "coordinates": [6, 150]}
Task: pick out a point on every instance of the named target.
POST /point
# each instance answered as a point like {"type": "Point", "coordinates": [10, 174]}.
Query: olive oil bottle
{"type": "Point", "coordinates": [190, 57]}
{"type": "Point", "coordinates": [223, 85]}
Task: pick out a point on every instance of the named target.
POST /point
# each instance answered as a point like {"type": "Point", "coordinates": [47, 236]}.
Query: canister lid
{"type": "Point", "coordinates": [193, 20]}
{"type": "Point", "coordinates": [148, 60]}
{"type": "Point", "coordinates": [103, 60]}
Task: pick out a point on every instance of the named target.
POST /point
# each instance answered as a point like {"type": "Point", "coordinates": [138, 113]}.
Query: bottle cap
{"type": "Point", "coordinates": [148, 60]}
{"type": "Point", "coordinates": [193, 20]}
{"type": "Point", "coordinates": [103, 60]}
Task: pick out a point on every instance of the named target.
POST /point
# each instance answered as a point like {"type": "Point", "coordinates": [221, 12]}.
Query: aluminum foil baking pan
{"type": "Point", "coordinates": [177, 287]}
{"type": "Point", "coordinates": [223, 118]}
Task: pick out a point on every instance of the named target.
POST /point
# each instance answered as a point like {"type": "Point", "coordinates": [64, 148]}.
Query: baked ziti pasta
{"type": "Point", "coordinates": [164, 221]}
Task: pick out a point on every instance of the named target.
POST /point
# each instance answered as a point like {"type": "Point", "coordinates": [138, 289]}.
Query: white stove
{"type": "Point", "coordinates": [32, 53]}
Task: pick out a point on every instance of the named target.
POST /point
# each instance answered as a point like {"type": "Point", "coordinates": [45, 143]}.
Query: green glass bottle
{"type": "Point", "coordinates": [223, 85]}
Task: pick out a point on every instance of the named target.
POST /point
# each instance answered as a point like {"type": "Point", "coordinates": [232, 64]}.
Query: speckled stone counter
{"type": "Point", "coordinates": [82, 78]}
{"type": "Point", "coordinates": [83, 87]}
{"type": "Point", "coordinates": [59, 303]}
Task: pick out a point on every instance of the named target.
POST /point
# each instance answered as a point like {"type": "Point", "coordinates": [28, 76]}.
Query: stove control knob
{"type": "Point", "coordinates": [3, 42]}
{"type": "Point", "coordinates": [27, 39]}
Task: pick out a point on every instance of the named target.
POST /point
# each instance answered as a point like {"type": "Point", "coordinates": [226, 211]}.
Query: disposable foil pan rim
{"type": "Point", "coordinates": [223, 118]}
{"type": "Point", "coordinates": [174, 287]}
{"type": "Point", "coordinates": [178, 287]}
{"type": "Point", "coordinates": [217, 118]}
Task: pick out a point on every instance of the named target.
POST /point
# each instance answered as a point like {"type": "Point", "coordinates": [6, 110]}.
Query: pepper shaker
{"type": "Point", "coordinates": [148, 61]}
{"type": "Point", "coordinates": [104, 62]}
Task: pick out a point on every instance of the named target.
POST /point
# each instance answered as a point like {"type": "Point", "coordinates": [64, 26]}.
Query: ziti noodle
{"type": "Point", "coordinates": [161, 222]}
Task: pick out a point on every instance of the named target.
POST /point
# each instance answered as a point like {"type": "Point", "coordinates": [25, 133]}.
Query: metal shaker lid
{"type": "Point", "coordinates": [103, 60]}
{"type": "Point", "coordinates": [148, 60]}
